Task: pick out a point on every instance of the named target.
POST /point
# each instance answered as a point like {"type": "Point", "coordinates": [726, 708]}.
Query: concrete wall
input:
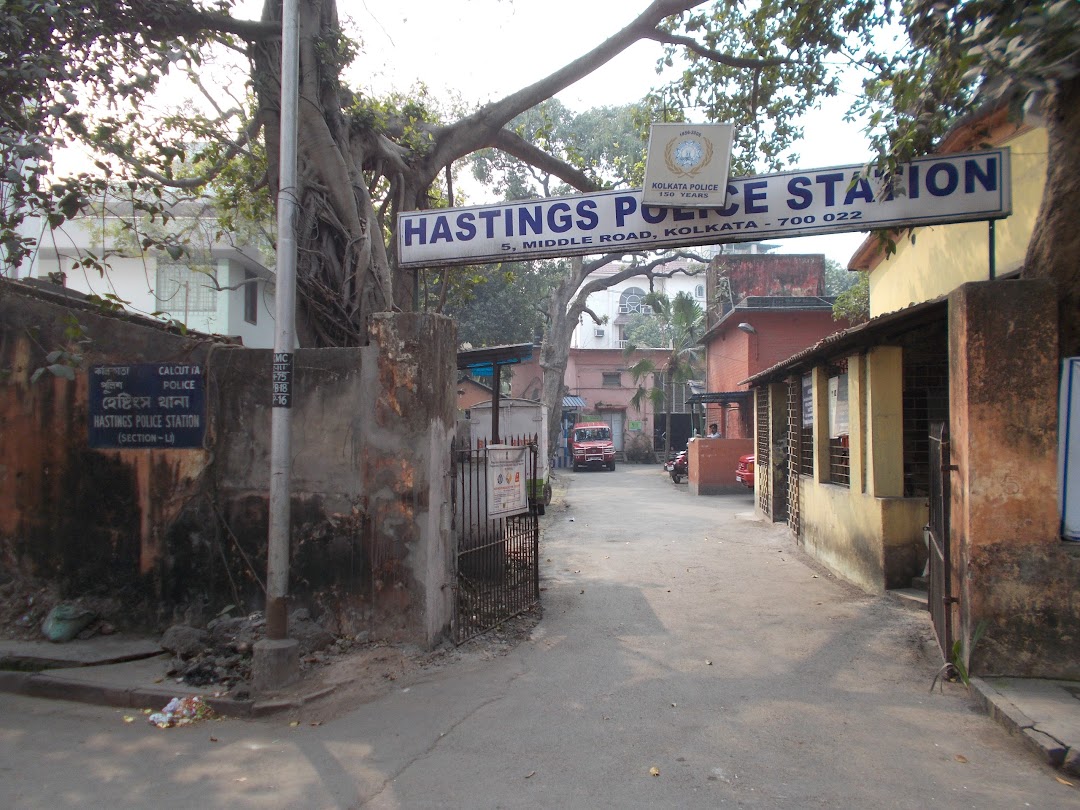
{"type": "Point", "coordinates": [866, 531]}
{"type": "Point", "coordinates": [712, 464]}
{"type": "Point", "coordinates": [1011, 570]}
{"type": "Point", "coordinates": [183, 532]}
{"type": "Point", "coordinates": [873, 542]}
{"type": "Point", "coordinates": [764, 274]}
{"type": "Point", "coordinates": [732, 355]}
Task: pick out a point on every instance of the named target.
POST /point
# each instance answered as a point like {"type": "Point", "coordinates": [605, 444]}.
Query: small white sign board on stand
{"type": "Point", "coordinates": [507, 480]}
{"type": "Point", "coordinates": [687, 165]}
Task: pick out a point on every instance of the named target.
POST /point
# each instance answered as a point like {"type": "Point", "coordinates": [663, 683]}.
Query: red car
{"type": "Point", "coordinates": [744, 473]}
{"type": "Point", "coordinates": [591, 445]}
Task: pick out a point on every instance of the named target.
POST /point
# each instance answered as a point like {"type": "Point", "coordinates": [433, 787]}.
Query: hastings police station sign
{"type": "Point", "coordinates": [933, 190]}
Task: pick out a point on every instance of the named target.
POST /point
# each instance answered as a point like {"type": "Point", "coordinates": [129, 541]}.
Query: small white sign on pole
{"type": "Point", "coordinates": [687, 165]}
{"type": "Point", "coordinates": [507, 480]}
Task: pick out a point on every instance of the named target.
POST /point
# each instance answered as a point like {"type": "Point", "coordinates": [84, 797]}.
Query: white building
{"type": "Point", "coordinates": [217, 288]}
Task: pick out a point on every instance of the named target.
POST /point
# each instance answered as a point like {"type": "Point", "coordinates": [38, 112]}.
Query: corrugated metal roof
{"type": "Point", "coordinates": [573, 402]}
{"type": "Point", "coordinates": [720, 397]}
{"type": "Point", "coordinates": [494, 356]}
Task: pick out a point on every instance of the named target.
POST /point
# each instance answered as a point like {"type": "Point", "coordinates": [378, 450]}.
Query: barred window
{"type": "Point", "coordinates": [839, 455]}
{"type": "Point", "coordinates": [806, 445]}
{"type": "Point", "coordinates": [251, 297]}
{"type": "Point", "coordinates": [926, 400]}
{"type": "Point", "coordinates": [181, 288]}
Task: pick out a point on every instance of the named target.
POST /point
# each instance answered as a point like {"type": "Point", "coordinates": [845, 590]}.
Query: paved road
{"type": "Point", "coordinates": [679, 634]}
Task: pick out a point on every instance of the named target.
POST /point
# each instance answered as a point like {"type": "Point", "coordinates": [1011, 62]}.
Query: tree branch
{"type": "Point", "coordinates": [179, 18]}
{"type": "Point", "coordinates": [577, 305]}
{"type": "Point", "coordinates": [692, 44]}
{"type": "Point", "coordinates": [141, 170]}
{"type": "Point", "coordinates": [473, 131]}
{"type": "Point", "coordinates": [516, 146]}
{"type": "Point", "coordinates": [596, 318]}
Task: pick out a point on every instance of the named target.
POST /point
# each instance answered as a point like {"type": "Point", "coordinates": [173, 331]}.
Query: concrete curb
{"type": "Point", "coordinates": [52, 687]}
{"type": "Point", "coordinates": [1009, 716]}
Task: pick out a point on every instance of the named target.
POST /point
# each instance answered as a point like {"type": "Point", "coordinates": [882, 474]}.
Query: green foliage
{"type": "Point", "coordinates": [80, 73]}
{"type": "Point", "coordinates": [960, 53]}
{"type": "Point", "coordinates": [64, 362]}
{"type": "Point", "coordinates": [405, 118]}
{"type": "Point", "coordinates": [682, 321]}
{"type": "Point", "coordinates": [799, 45]}
{"type": "Point", "coordinates": [956, 667]}
{"type": "Point", "coordinates": [854, 302]}
{"type": "Point", "coordinates": [838, 278]}
{"type": "Point", "coordinates": [608, 143]}
{"type": "Point", "coordinates": [646, 330]}
{"type": "Point", "coordinates": [498, 305]}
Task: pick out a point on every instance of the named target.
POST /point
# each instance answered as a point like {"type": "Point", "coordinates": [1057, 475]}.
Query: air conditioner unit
{"type": "Point", "coordinates": [646, 309]}
{"type": "Point", "coordinates": [624, 309]}
{"type": "Point", "coordinates": [598, 332]}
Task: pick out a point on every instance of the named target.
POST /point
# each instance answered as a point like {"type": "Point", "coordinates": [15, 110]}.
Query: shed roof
{"type": "Point", "coordinates": [479, 360]}
{"type": "Point", "coordinates": [874, 332]}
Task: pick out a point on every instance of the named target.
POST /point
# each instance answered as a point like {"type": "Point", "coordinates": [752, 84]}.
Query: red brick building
{"type": "Point", "coordinates": [762, 308]}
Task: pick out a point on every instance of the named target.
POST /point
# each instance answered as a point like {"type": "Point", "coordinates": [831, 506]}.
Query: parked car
{"type": "Point", "coordinates": [744, 472]}
{"type": "Point", "coordinates": [591, 445]}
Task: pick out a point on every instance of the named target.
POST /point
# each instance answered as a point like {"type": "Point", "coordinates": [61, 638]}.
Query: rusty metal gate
{"type": "Point", "coordinates": [939, 595]}
{"type": "Point", "coordinates": [497, 566]}
{"type": "Point", "coordinates": [794, 454]}
{"type": "Point", "coordinates": [762, 463]}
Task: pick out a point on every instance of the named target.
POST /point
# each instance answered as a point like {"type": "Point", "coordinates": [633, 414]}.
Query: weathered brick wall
{"type": "Point", "coordinates": [183, 532]}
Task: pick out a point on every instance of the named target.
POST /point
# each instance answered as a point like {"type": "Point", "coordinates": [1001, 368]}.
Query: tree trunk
{"type": "Point", "coordinates": [1054, 249]}
{"type": "Point", "coordinates": [669, 385]}
{"type": "Point", "coordinates": [555, 350]}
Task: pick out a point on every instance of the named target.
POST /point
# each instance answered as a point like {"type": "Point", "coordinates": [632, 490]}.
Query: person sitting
{"type": "Point", "coordinates": [714, 431]}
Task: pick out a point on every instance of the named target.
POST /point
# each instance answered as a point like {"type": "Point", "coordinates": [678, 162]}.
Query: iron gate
{"type": "Point", "coordinates": [939, 595]}
{"type": "Point", "coordinates": [762, 462]}
{"type": "Point", "coordinates": [497, 565]}
{"type": "Point", "coordinates": [794, 454]}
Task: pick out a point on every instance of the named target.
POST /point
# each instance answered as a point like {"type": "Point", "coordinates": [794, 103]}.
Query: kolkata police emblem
{"type": "Point", "coordinates": [685, 156]}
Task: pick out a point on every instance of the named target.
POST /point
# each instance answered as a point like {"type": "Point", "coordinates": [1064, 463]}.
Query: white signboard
{"type": "Point", "coordinates": [687, 165]}
{"type": "Point", "coordinates": [838, 406]}
{"type": "Point", "coordinates": [507, 480]}
{"type": "Point", "coordinates": [932, 190]}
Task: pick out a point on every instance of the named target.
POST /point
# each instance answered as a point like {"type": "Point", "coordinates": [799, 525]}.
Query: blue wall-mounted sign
{"type": "Point", "coordinates": [147, 405]}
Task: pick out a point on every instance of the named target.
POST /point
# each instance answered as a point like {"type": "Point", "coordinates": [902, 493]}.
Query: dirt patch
{"type": "Point", "coordinates": [366, 674]}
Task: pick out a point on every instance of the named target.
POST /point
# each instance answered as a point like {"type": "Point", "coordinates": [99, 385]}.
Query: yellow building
{"type": "Point", "coordinates": [927, 437]}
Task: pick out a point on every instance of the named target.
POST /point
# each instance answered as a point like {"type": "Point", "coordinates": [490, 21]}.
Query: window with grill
{"type": "Point", "coordinates": [926, 400]}
{"type": "Point", "coordinates": [762, 405]}
{"type": "Point", "coordinates": [630, 300]}
{"type": "Point", "coordinates": [251, 297]}
{"type": "Point", "coordinates": [181, 288]}
{"type": "Point", "coordinates": [806, 444]}
{"type": "Point", "coordinates": [839, 455]}
{"type": "Point", "coordinates": [612, 379]}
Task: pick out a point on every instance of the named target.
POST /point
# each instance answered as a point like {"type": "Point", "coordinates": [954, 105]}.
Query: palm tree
{"type": "Point", "coordinates": [682, 323]}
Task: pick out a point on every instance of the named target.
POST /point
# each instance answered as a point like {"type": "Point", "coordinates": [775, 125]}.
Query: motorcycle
{"type": "Point", "coordinates": [677, 466]}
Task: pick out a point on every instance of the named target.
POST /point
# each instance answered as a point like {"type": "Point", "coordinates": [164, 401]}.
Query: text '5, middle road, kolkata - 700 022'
{"type": "Point", "coordinates": [933, 190]}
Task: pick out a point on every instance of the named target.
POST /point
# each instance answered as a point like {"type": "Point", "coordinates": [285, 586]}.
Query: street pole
{"type": "Point", "coordinates": [275, 662]}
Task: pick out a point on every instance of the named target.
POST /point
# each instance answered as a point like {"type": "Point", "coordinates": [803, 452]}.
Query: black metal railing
{"type": "Point", "coordinates": [939, 597]}
{"type": "Point", "coordinates": [497, 559]}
